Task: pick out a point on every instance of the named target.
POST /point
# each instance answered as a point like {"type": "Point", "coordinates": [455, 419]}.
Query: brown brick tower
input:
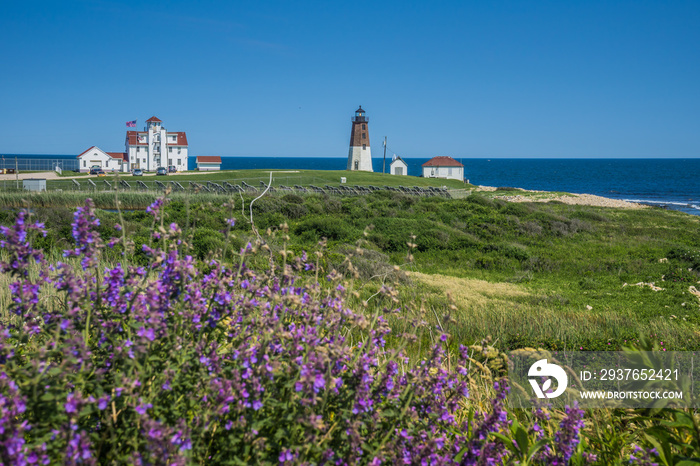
{"type": "Point", "coordinates": [360, 155]}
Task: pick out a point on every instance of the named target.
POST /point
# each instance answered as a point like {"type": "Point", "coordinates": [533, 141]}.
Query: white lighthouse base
{"type": "Point", "coordinates": [360, 159]}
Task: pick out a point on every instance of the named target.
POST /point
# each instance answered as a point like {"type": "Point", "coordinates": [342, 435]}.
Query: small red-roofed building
{"type": "Point", "coordinates": [156, 147]}
{"type": "Point", "coordinates": [443, 167]}
{"type": "Point", "coordinates": [107, 161]}
{"type": "Point", "coordinates": [208, 163]}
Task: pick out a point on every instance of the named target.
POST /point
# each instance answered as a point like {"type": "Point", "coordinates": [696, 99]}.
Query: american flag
{"type": "Point", "coordinates": [131, 124]}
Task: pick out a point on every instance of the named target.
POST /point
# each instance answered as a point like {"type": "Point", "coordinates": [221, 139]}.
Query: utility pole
{"type": "Point", "coordinates": [384, 163]}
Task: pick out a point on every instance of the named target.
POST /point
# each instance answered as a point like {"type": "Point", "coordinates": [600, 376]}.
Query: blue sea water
{"type": "Point", "coordinates": [673, 183]}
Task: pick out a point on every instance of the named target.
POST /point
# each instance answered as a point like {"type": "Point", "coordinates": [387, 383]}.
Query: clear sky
{"type": "Point", "coordinates": [283, 78]}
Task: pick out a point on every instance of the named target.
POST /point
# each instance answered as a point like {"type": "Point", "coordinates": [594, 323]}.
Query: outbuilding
{"type": "Point", "coordinates": [443, 167]}
{"type": "Point", "coordinates": [398, 167]}
{"type": "Point", "coordinates": [34, 184]}
{"type": "Point", "coordinates": [208, 163]}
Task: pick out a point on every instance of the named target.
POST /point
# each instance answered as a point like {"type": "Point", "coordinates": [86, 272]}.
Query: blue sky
{"type": "Point", "coordinates": [283, 78]}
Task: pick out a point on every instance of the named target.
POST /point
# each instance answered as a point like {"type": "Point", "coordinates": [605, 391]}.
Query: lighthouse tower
{"type": "Point", "coordinates": [360, 155]}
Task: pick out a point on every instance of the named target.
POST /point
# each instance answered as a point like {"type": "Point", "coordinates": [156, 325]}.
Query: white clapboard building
{"type": "Point", "coordinates": [208, 163]}
{"type": "Point", "coordinates": [443, 167]}
{"type": "Point", "coordinates": [107, 161]}
{"type": "Point", "coordinates": [398, 167]}
{"type": "Point", "coordinates": [156, 147]}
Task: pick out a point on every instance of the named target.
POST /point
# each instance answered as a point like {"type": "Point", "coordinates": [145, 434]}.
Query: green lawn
{"type": "Point", "coordinates": [254, 177]}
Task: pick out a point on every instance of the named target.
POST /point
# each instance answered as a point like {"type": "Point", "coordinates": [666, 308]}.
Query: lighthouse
{"type": "Point", "coordinates": [360, 155]}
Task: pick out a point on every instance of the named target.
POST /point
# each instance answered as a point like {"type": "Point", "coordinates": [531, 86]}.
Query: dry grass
{"type": "Point", "coordinates": [471, 292]}
{"type": "Point", "coordinates": [511, 315]}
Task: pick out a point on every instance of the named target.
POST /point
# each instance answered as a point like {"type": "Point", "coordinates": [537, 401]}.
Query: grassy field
{"type": "Point", "coordinates": [531, 274]}
{"type": "Point", "coordinates": [255, 177]}
{"type": "Point", "coordinates": [494, 275]}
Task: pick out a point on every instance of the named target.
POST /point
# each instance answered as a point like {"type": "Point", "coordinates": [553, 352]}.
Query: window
{"type": "Point", "coordinates": [144, 160]}
{"type": "Point", "coordinates": [179, 150]}
{"type": "Point", "coordinates": [356, 164]}
{"type": "Point", "coordinates": [364, 146]}
{"type": "Point", "coordinates": [364, 135]}
{"type": "Point", "coordinates": [170, 149]}
{"type": "Point", "coordinates": [449, 171]}
{"type": "Point", "coordinates": [84, 163]}
{"type": "Point", "coordinates": [138, 149]}
{"type": "Point", "coordinates": [364, 126]}
{"type": "Point", "coordinates": [179, 161]}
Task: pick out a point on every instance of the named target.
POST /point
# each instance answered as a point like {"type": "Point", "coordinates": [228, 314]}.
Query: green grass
{"type": "Point", "coordinates": [284, 177]}
{"type": "Point", "coordinates": [569, 263]}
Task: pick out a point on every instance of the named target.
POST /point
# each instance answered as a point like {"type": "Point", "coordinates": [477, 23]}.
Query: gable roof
{"type": "Point", "coordinates": [397, 159]}
{"type": "Point", "coordinates": [157, 120]}
{"type": "Point", "coordinates": [85, 152]}
{"type": "Point", "coordinates": [113, 155]}
{"type": "Point", "coordinates": [442, 161]}
{"type": "Point", "coordinates": [181, 138]}
{"type": "Point", "coordinates": [208, 159]}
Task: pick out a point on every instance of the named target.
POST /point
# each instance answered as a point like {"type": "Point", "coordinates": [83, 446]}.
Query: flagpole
{"type": "Point", "coordinates": [384, 164]}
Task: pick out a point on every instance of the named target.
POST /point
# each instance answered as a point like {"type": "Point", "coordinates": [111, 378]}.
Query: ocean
{"type": "Point", "coordinates": [672, 183]}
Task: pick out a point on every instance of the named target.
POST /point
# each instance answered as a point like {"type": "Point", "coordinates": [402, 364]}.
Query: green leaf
{"type": "Point", "coordinates": [663, 457]}
{"type": "Point", "coordinates": [522, 439]}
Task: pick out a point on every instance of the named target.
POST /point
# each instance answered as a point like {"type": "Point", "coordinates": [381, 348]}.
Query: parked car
{"type": "Point", "coordinates": [100, 172]}
{"type": "Point", "coordinates": [95, 169]}
{"type": "Point", "coordinates": [161, 171]}
{"type": "Point", "coordinates": [137, 172]}
{"type": "Point", "coordinates": [172, 169]}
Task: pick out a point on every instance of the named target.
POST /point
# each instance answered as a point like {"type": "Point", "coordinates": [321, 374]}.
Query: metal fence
{"type": "Point", "coordinates": [254, 186]}
{"type": "Point", "coordinates": [32, 164]}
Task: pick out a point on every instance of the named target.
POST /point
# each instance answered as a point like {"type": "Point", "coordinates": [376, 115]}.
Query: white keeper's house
{"type": "Point", "coordinates": [148, 150]}
{"type": "Point", "coordinates": [443, 167]}
{"type": "Point", "coordinates": [156, 147]}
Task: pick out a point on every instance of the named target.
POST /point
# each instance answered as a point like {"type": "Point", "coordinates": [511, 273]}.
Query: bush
{"type": "Point", "coordinates": [326, 227]}
{"type": "Point", "coordinates": [682, 253]}
{"type": "Point", "coordinates": [206, 240]}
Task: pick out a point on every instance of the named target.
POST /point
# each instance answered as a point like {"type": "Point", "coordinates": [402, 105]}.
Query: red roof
{"type": "Point", "coordinates": [442, 161]}
{"type": "Point", "coordinates": [208, 159]}
{"type": "Point", "coordinates": [132, 137]}
{"type": "Point", "coordinates": [181, 139]}
{"type": "Point", "coordinates": [118, 155]}
{"type": "Point", "coordinates": [115, 155]}
{"type": "Point", "coordinates": [153, 119]}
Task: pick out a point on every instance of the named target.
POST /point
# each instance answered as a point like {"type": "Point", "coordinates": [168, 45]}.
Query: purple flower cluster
{"type": "Point", "coordinates": [183, 362]}
{"type": "Point", "coordinates": [87, 241]}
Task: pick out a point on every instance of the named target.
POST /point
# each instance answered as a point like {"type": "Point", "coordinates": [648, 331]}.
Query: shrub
{"type": "Point", "coordinates": [325, 227]}
{"type": "Point", "coordinates": [206, 240]}
{"type": "Point", "coordinates": [685, 254]}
